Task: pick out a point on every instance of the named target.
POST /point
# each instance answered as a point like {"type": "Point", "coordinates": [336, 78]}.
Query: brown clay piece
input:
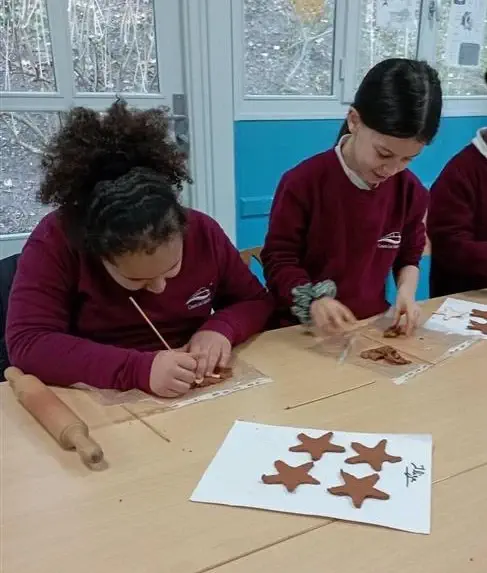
{"type": "Point", "coordinates": [316, 447]}
{"type": "Point", "coordinates": [290, 476]}
{"type": "Point", "coordinates": [386, 353]}
{"type": "Point", "coordinates": [374, 354]}
{"type": "Point", "coordinates": [375, 456]}
{"type": "Point", "coordinates": [393, 357]}
{"type": "Point", "coordinates": [394, 331]}
{"type": "Point", "coordinates": [359, 488]}
{"type": "Point", "coordinates": [220, 375]}
{"type": "Point", "coordinates": [479, 326]}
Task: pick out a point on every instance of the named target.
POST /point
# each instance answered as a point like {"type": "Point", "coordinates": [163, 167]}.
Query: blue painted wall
{"type": "Point", "coordinates": [266, 149]}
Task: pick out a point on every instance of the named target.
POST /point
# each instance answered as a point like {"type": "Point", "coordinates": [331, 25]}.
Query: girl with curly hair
{"type": "Point", "coordinates": [118, 230]}
{"type": "Point", "coordinates": [457, 221]}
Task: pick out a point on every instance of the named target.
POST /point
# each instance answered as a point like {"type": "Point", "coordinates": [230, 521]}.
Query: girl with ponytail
{"type": "Point", "coordinates": [342, 219]}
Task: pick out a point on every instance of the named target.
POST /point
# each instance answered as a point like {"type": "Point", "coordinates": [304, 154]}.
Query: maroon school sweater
{"type": "Point", "coordinates": [69, 321]}
{"type": "Point", "coordinates": [457, 225]}
{"type": "Point", "coordinates": [322, 227]}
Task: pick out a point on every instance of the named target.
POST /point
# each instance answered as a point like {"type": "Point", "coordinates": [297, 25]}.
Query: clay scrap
{"type": "Point", "coordinates": [394, 331]}
{"type": "Point", "coordinates": [386, 353]}
{"type": "Point", "coordinates": [358, 489]}
{"type": "Point", "coordinates": [220, 375]}
{"type": "Point", "coordinates": [375, 456]}
{"type": "Point", "coordinates": [316, 447]}
{"type": "Point", "coordinates": [290, 476]}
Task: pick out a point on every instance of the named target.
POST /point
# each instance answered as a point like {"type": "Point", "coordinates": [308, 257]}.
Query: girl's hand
{"type": "Point", "coordinates": [408, 307]}
{"type": "Point", "coordinates": [213, 349]}
{"type": "Point", "coordinates": [172, 373]}
{"type": "Point", "coordinates": [330, 316]}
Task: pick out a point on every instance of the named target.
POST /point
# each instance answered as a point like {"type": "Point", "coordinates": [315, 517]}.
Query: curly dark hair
{"type": "Point", "coordinates": [115, 178]}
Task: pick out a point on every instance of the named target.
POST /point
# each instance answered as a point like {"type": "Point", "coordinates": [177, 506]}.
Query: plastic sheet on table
{"type": "Point", "coordinates": [244, 377]}
{"type": "Point", "coordinates": [428, 345]}
{"type": "Point", "coordinates": [335, 346]}
{"type": "Point", "coordinates": [349, 350]}
{"type": "Point", "coordinates": [398, 373]}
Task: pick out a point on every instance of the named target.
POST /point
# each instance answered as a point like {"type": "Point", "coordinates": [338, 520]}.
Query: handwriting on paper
{"type": "Point", "coordinates": [413, 473]}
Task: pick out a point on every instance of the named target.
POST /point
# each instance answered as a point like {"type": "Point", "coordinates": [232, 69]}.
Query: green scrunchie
{"type": "Point", "coordinates": [304, 295]}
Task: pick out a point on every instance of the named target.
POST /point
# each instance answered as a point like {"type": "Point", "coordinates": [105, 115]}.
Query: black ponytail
{"type": "Point", "coordinates": [401, 98]}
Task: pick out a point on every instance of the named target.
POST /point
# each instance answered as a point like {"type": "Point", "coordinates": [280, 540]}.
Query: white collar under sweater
{"type": "Point", "coordinates": [480, 141]}
{"type": "Point", "coordinates": [354, 177]}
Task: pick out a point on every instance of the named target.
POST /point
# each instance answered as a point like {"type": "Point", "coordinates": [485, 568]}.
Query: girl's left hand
{"type": "Point", "coordinates": [214, 350]}
{"type": "Point", "coordinates": [408, 307]}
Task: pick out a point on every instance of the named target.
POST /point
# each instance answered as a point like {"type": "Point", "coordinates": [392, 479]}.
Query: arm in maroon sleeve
{"type": "Point", "coordinates": [285, 243]}
{"type": "Point", "coordinates": [413, 239]}
{"type": "Point", "coordinates": [451, 224]}
{"type": "Point", "coordinates": [242, 305]}
{"type": "Point", "coordinates": [38, 320]}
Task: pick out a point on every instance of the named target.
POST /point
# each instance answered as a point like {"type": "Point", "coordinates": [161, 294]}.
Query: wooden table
{"type": "Point", "coordinates": [135, 517]}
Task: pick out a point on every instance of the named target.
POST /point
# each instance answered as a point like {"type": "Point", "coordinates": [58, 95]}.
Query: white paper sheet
{"type": "Point", "coordinates": [249, 450]}
{"type": "Point", "coordinates": [395, 14]}
{"type": "Point", "coordinates": [454, 316]}
{"type": "Point", "coordinates": [465, 34]}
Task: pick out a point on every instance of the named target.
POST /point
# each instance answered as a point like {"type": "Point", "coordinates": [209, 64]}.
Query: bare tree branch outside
{"type": "Point", "coordinates": [113, 50]}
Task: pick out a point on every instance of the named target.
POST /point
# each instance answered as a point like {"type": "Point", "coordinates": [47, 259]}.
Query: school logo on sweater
{"type": "Point", "coordinates": [390, 241]}
{"type": "Point", "coordinates": [201, 297]}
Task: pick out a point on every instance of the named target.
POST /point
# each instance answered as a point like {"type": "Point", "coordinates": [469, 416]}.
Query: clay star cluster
{"type": "Point", "coordinates": [358, 489]}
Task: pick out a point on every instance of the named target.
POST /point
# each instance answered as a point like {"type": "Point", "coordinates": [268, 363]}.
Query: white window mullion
{"type": "Point", "coordinates": [428, 27]}
{"type": "Point", "coordinates": [349, 68]}
{"type": "Point", "coordinates": [167, 19]}
{"type": "Point", "coordinates": [339, 49]}
{"type": "Point", "coordinates": [101, 101]}
{"type": "Point", "coordinates": [237, 14]}
{"type": "Point", "coordinates": [57, 13]}
{"type": "Point", "coordinates": [32, 102]}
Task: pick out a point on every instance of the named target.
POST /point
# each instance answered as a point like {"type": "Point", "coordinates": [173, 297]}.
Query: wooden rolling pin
{"type": "Point", "coordinates": [54, 415]}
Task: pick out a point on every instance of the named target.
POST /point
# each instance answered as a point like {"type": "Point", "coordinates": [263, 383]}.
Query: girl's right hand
{"type": "Point", "coordinates": [330, 316]}
{"type": "Point", "coordinates": [172, 373]}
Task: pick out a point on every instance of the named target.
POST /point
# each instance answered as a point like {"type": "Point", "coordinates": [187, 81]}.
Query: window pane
{"type": "Point", "coordinates": [458, 81]}
{"type": "Point", "coordinates": [113, 45]}
{"type": "Point", "coordinates": [22, 136]}
{"type": "Point", "coordinates": [377, 44]}
{"type": "Point", "coordinates": [289, 47]}
{"type": "Point", "coordinates": [25, 47]}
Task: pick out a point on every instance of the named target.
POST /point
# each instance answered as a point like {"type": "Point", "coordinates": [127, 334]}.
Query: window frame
{"type": "Point", "coordinates": [345, 62]}
{"type": "Point", "coordinates": [199, 66]}
{"type": "Point", "coordinates": [66, 96]}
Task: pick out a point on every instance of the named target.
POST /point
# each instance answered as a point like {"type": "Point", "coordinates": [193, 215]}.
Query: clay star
{"type": "Point", "coordinates": [316, 446]}
{"type": "Point", "coordinates": [290, 476]}
{"type": "Point", "coordinates": [375, 456]}
{"type": "Point", "coordinates": [359, 488]}
{"type": "Point", "coordinates": [480, 326]}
